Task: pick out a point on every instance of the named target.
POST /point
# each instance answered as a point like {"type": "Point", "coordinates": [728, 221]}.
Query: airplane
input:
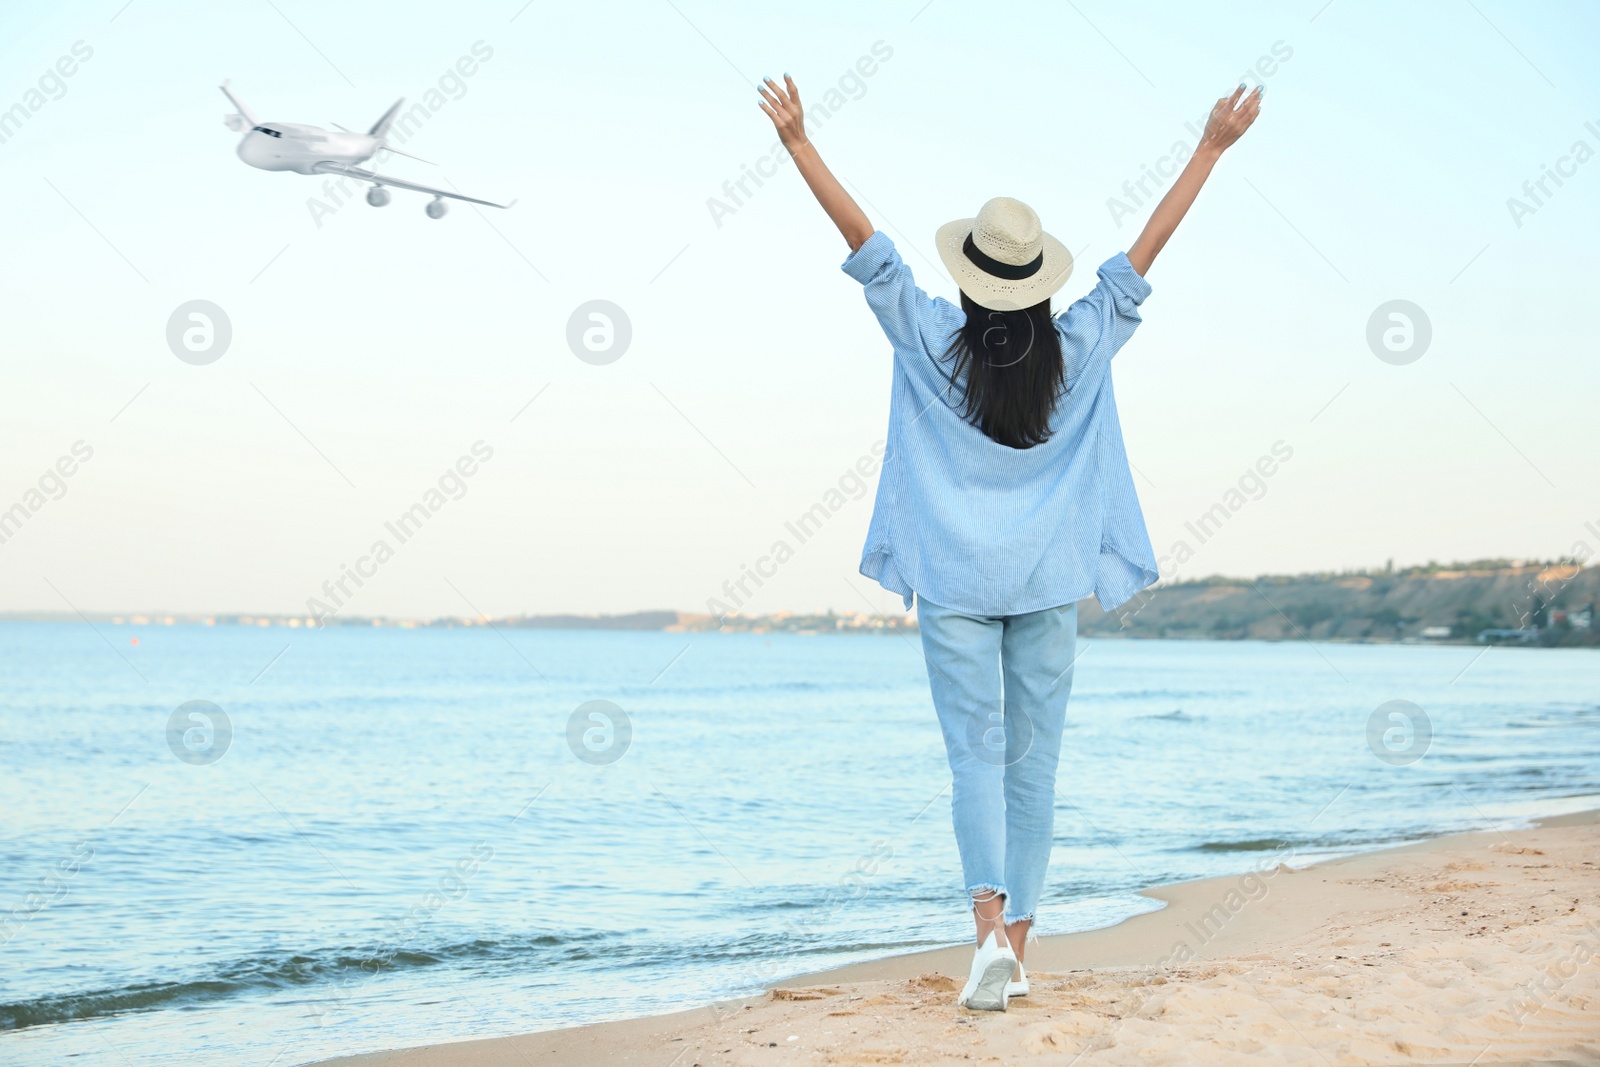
{"type": "Point", "coordinates": [313, 150]}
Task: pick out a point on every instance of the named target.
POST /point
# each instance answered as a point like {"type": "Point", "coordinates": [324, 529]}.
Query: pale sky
{"type": "Point", "coordinates": [371, 352]}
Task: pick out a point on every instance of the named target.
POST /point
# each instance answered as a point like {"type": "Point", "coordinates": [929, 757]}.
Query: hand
{"type": "Point", "coordinates": [1230, 118]}
{"type": "Point", "coordinates": [782, 106]}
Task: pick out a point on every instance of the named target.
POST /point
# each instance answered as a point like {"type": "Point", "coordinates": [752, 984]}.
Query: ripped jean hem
{"type": "Point", "coordinates": [993, 889]}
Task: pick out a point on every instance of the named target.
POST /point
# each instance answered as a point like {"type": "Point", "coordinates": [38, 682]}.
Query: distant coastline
{"type": "Point", "coordinates": [1540, 603]}
{"type": "Point", "coordinates": [658, 621]}
{"type": "Point", "coordinates": [1531, 602]}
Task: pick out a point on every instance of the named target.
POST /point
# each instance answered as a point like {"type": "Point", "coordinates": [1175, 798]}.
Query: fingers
{"type": "Point", "coordinates": [780, 103]}
{"type": "Point", "coordinates": [1233, 101]}
{"type": "Point", "coordinates": [777, 91]}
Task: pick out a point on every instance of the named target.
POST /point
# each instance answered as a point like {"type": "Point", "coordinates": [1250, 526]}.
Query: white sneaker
{"type": "Point", "coordinates": [1018, 988]}
{"type": "Point", "coordinates": [988, 983]}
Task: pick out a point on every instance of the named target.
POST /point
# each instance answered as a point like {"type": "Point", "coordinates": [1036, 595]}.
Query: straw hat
{"type": "Point", "coordinates": [1002, 259]}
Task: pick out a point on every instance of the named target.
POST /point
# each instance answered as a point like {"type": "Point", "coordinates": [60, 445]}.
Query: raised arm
{"type": "Point", "coordinates": [782, 105]}
{"type": "Point", "coordinates": [1227, 123]}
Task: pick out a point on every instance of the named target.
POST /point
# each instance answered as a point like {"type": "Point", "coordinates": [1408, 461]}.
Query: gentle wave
{"type": "Point", "coordinates": [1258, 844]}
{"type": "Point", "coordinates": [252, 974]}
{"type": "Point", "coordinates": [337, 970]}
{"type": "Point", "coordinates": [1319, 842]}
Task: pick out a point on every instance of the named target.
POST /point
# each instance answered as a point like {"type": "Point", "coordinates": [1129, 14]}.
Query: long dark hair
{"type": "Point", "coordinates": [1009, 367]}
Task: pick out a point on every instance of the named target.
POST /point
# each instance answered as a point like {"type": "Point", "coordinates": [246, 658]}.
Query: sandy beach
{"type": "Point", "coordinates": [1479, 948]}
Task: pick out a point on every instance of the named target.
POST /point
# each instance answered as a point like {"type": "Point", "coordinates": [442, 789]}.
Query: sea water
{"type": "Point", "coordinates": [242, 845]}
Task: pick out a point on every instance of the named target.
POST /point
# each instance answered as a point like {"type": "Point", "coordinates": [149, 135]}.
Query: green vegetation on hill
{"type": "Point", "coordinates": [1456, 601]}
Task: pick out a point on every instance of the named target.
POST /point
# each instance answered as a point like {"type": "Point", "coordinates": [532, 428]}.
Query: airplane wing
{"type": "Point", "coordinates": [249, 116]}
{"type": "Point", "coordinates": [348, 171]}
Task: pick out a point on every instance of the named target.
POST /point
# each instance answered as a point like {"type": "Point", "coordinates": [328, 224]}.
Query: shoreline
{"type": "Point", "coordinates": [841, 624]}
{"type": "Point", "coordinates": [1286, 964]}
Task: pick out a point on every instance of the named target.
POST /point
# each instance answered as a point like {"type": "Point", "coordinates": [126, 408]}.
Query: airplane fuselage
{"type": "Point", "coordinates": [299, 148]}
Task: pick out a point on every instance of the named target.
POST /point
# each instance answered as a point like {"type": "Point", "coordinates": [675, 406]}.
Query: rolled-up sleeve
{"type": "Point", "coordinates": [1100, 323]}
{"type": "Point", "coordinates": [892, 293]}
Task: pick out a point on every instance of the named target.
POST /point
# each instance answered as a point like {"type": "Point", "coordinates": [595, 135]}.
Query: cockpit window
{"type": "Point", "coordinates": [269, 133]}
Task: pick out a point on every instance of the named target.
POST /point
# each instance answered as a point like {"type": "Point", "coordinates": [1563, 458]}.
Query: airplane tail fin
{"type": "Point", "coordinates": [381, 127]}
{"type": "Point", "coordinates": [249, 116]}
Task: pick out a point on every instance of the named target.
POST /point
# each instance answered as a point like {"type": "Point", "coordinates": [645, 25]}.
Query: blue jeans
{"type": "Point", "coordinates": [1000, 686]}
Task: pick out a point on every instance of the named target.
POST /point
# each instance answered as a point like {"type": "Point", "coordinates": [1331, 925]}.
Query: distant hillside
{"type": "Point", "coordinates": [1532, 603]}
{"type": "Point", "coordinates": [1449, 602]}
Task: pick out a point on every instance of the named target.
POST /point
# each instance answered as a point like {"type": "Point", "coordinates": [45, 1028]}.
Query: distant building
{"type": "Point", "coordinates": [1496, 636]}
{"type": "Point", "coordinates": [1437, 633]}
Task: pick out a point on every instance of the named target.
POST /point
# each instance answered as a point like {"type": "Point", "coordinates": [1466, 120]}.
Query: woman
{"type": "Point", "coordinates": [1005, 498]}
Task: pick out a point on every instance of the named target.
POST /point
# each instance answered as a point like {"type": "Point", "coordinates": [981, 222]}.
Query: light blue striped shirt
{"type": "Point", "coordinates": [975, 525]}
